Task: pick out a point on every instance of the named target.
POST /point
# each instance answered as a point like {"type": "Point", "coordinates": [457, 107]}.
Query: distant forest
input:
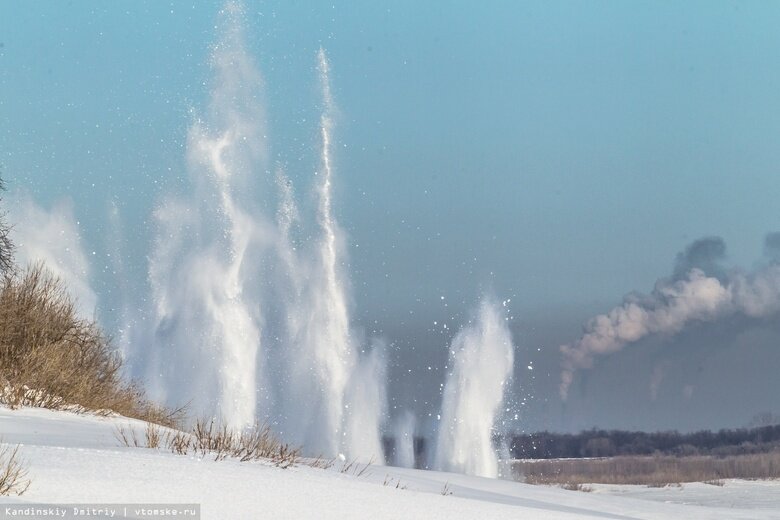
{"type": "Point", "coordinates": [604, 443]}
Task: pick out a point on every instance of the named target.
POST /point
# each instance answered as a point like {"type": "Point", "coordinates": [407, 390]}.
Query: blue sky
{"type": "Point", "coordinates": [559, 153]}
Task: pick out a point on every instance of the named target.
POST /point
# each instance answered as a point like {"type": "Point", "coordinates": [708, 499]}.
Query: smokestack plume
{"type": "Point", "coordinates": [705, 254]}
{"type": "Point", "coordinates": [700, 290]}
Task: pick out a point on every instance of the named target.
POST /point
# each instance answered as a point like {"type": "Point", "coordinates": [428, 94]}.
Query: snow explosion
{"type": "Point", "coordinates": [247, 314]}
{"type": "Point", "coordinates": [481, 360]}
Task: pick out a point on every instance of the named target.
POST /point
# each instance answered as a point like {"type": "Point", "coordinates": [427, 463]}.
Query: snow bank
{"type": "Point", "coordinates": [77, 458]}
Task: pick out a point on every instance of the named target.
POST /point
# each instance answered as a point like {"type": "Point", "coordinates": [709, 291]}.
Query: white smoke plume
{"type": "Point", "coordinates": [480, 363]}
{"type": "Point", "coordinates": [692, 296]}
{"type": "Point", "coordinates": [53, 237]}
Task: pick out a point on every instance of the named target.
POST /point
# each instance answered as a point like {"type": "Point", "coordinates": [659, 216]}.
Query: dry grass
{"type": "Point", "coordinates": [152, 435]}
{"type": "Point", "coordinates": [320, 462]}
{"type": "Point", "coordinates": [13, 474]}
{"type": "Point", "coordinates": [651, 471]}
{"type": "Point", "coordinates": [127, 437]}
{"type": "Point", "coordinates": [356, 469]}
{"type": "Point", "coordinates": [569, 486]}
{"type": "Point", "coordinates": [52, 358]}
{"type": "Point", "coordinates": [257, 443]}
{"type": "Point", "coordinates": [178, 442]}
{"type": "Point", "coordinates": [210, 439]}
{"type": "Point", "coordinates": [389, 482]}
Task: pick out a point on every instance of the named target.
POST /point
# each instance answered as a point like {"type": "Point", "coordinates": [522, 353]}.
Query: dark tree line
{"type": "Point", "coordinates": [610, 443]}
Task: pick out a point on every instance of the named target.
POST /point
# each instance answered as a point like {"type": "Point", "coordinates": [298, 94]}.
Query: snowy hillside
{"type": "Point", "coordinates": [78, 459]}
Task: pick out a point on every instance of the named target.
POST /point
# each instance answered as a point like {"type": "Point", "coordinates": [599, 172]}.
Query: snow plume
{"type": "Point", "coordinates": [53, 237]}
{"type": "Point", "coordinates": [705, 293]}
{"type": "Point", "coordinates": [404, 440]}
{"type": "Point", "coordinates": [480, 363]}
{"type": "Point", "coordinates": [327, 329]}
{"type": "Point", "coordinates": [247, 315]}
{"type": "Point", "coordinates": [204, 267]}
{"type": "Point", "coordinates": [334, 389]}
{"type": "Point", "coordinates": [365, 406]}
{"type": "Point", "coordinates": [216, 331]}
{"type": "Point", "coordinates": [120, 289]}
{"type": "Point", "coordinates": [657, 377]}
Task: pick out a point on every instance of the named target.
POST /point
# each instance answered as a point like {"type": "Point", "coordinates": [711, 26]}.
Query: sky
{"type": "Point", "coordinates": [558, 154]}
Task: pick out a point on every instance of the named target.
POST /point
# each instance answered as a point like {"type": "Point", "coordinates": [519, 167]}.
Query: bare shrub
{"type": "Point", "coordinates": [6, 245]}
{"type": "Point", "coordinates": [148, 411]}
{"type": "Point", "coordinates": [210, 439]}
{"type": "Point", "coordinates": [260, 443]}
{"type": "Point", "coordinates": [13, 474]}
{"type": "Point", "coordinates": [50, 357]}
